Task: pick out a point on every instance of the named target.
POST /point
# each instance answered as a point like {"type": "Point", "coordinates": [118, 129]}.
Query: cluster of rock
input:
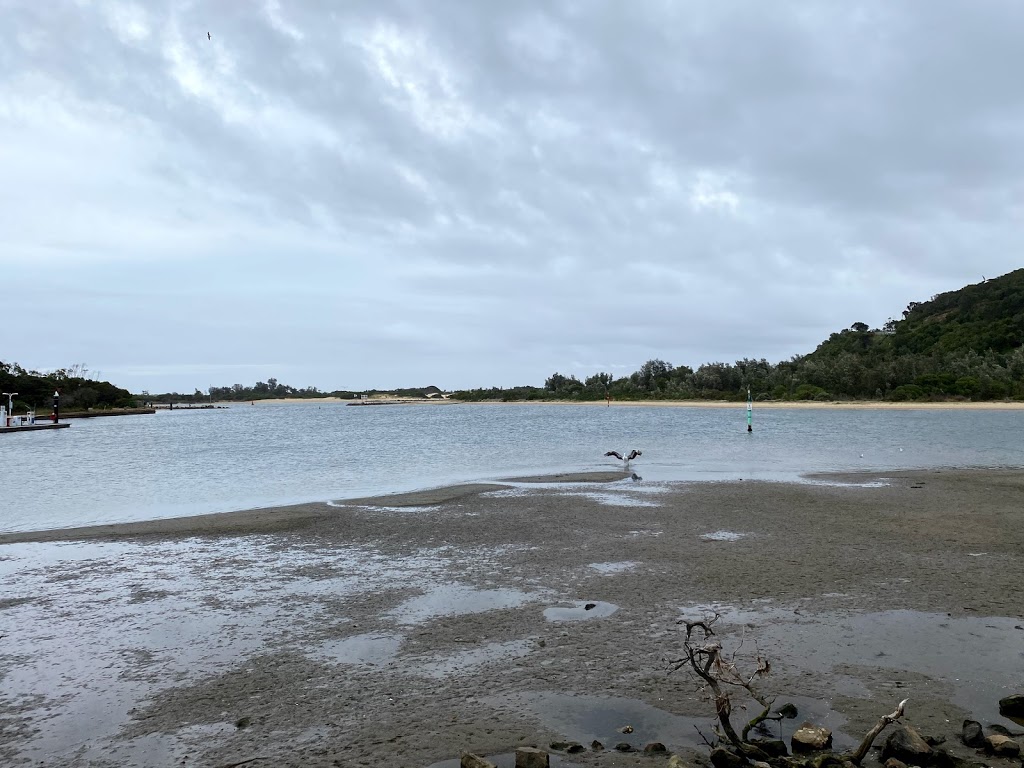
{"type": "Point", "coordinates": [904, 747]}
{"type": "Point", "coordinates": [811, 748]}
{"type": "Point", "coordinates": [533, 757]}
{"type": "Point", "coordinates": [526, 757]}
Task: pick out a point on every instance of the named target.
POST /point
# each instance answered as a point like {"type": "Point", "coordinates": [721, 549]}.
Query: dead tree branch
{"type": "Point", "coordinates": [718, 673]}
{"type": "Point", "coordinates": [858, 754]}
{"type": "Point", "coordinates": [705, 658]}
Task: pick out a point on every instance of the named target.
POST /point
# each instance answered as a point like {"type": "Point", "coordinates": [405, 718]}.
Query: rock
{"type": "Point", "coordinates": [892, 762]}
{"type": "Point", "coordinates": [654, 748]}
{"type": "Point", "coordinates": [827, 760]}
{"type": "Point", "coordinates": [1002, 746]}
{"type": "Point", "coordinates": [589, 606]}
{"type": "Point", "coordinates": [811, 738]}
{"type": "Point", "coordinates": [772, 747]}
{"type": "Point", "coordinates": [243, 722]}
{"type": "Point", "coordinates": [531, 757]}
{"type": "Point", "coordinates": [972, 735]}
{"type": "Point", "coordinates": [1001, 730]}
{"type": "Point", "coordinates": [1012, 706]}
{"type": "Point", "coordinates": [623, 746]}
{"type": "Point", "coordinates": [723, 758]}
{"type": "Point", "coordinates": [943, 758]}
{"type": "Point", "coordinates": [626, 729]}
{"type": "Point", "coordinates": [935, 741]}
{"type": "Point", "coordinates": [597, 746]}
{"type": "Point", "coordinates": [907, 745]}
{"type": "Point", "coordinates": [676, 762]}
{"type": "Point", "coordinates": [469, 760]}
{"type": "Point", "coordinates": [572, 747]}
{"type": "Point", "coordinates": [788, 711]}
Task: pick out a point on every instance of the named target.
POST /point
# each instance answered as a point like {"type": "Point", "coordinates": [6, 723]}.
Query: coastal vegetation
{"type": "Point", "coordinates": [77, 391]}
{"type": "Point", "coordinates": [273, 389]}
{"type": "Point", "coordinates": [961, 345]}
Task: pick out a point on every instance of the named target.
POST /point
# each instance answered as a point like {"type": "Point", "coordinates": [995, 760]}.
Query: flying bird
{"type": "Point", "coordinates": [208, 36]}
{"type": "Point", "coordinates": [625, 459]}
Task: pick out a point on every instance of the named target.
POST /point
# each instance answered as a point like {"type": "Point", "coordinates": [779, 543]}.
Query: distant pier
{"type": "Point", "coordinates": [105, 412]}
{"type": "Point", "coordinates": [32, 427]}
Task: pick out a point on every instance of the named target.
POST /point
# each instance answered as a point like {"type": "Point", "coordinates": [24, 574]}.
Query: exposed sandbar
{"type": "Point", "coordinates": [454, 599]}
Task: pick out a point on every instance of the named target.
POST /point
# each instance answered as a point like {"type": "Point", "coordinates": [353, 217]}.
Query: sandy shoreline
{"type": "Point", "coordinates": [770, 404]}
{"type": "Point", "coordinates": [402, 630]}
{"type": "Point", "coordinates": [285, 518]}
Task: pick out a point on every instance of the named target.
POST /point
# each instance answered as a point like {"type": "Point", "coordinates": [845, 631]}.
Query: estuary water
{"type": "Point", "coordinates": [184, 462]}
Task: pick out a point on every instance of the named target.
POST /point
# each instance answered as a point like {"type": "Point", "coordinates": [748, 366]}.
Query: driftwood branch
{"type": "Point", "coordinates": [704, 625]}
{"type": "Point", "coordinates": [760, 718]}
{"type": "Point", "coordinates": [869, 738]}
{"type": "Point", "coordinates": [707, 661]}
{"type": "Point", "coordinates": [703, 737]}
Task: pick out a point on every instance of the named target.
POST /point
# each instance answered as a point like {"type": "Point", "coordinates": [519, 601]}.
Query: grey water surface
{"type": "Point", "coordinates": [183, 462]}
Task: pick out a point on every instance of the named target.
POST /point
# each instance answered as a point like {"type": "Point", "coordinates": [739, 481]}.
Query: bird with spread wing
{"type": "Point", "coordinates": [625, 459]}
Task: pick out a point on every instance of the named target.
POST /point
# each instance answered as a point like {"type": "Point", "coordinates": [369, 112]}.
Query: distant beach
{"type": "Point", "coordinates": [808, 404]}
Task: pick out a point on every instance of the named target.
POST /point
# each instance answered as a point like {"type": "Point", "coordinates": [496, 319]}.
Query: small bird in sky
{"type": "Point", "coordinates": [625, 459]}
{"type": "Point", "coordinates": [208, 36]}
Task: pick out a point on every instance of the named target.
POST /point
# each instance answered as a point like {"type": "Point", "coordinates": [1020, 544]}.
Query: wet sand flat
{"type": "Point", "coordinates": [401, 631]}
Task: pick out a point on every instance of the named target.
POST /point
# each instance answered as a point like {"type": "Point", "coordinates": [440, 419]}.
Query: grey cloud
{"type": "Point", "coordinates": [535, 182]}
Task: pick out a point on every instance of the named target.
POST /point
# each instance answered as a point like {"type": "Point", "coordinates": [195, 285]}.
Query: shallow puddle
{"type": "Point", "coordinates": [371, 648]}
{"type": "Point", "coordinates": [467, 661]}
{"type": "Point", "coordinates": [578, 611]}
{"type": "Point", "coordinates": [155, 749]}
{"type": "Point", "coordinates": [626, 565]}
{"type": "Point", "coordinates": [723, 536]}
{"type": "Point", "coordinates": [620, 499]}
{"type": "Point", "coordinates": [601, 718]}
{"type": "Point", "coordinates": [456, 600]}
{"type": "Point", "coordinates": [644, 532]}
{"type": "Point", "coordinates": [92, 630]}
{"type": "Point", "coordinates": [504, 760]}
{"type": "Point", "coordinates": [979, 657]}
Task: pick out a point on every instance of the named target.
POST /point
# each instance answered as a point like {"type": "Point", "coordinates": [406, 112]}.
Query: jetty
{"type": "Point", "coordinates": [105, 412]}
{"type": "Point", "coordinates": [27, 423]}
{"type": "Point", "coordinates": [32, 427]}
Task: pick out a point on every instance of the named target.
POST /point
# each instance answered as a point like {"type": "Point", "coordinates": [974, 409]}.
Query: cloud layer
{"type": "Point", "coordinates": [381, 194]}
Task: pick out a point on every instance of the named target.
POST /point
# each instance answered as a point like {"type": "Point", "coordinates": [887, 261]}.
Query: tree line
{"type": "Point", "coordinates": [77, 392]}
{"type": "Point", "coordinates": [961, 345]}
{"type": "Point", "coordinates": [272, 389]}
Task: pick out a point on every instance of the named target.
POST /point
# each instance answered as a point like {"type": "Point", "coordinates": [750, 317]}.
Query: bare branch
{"type": "Point", "coordinates": [871, 735]}
{"type": "Point", "coordinates": [703, 738]}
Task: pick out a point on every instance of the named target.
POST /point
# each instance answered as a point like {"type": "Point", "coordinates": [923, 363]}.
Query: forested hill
{"type": "Point", "coordinates": [965, 344]}
{"type": "Point", "coordinates": [987, 316]}
{"type": "Point", "coordinates": [35, 389]}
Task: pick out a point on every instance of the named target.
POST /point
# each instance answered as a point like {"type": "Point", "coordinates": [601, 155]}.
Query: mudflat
{"type": "Point", "coordinates": [402, 631]}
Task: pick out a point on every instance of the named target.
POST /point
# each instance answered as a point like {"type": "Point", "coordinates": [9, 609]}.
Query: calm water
{"type": "Point", "coordinates": [192, 462]}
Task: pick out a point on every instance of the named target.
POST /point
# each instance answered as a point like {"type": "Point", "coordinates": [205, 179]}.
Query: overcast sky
{"type": "Point", "coordinates": [463, 193]}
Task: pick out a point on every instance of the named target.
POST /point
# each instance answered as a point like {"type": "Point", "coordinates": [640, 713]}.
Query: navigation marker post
{"type": "Point", "coordinates": [56, 406]}
{"type": "Point", "coordinates": [750, 412]}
